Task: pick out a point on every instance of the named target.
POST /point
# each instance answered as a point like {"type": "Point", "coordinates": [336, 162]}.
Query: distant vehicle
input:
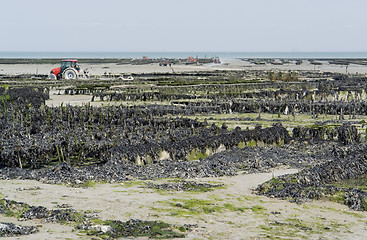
{"type": "Point", "coordinates": [217, 60]}
{"type": "Point", "coordinates": [191, 60]}
{"type": "Point", "coordinates": [121, 76]}
{"type": "Point", "coordinates": [164, 62]}
{"type": "Point", "coordinates": [128, 77]}
{"type": "Point", "coordinates": [69, 69]}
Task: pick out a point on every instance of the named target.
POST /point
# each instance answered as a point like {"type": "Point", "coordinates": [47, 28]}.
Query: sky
{"type": "Point", "coordinates": [184, 26]}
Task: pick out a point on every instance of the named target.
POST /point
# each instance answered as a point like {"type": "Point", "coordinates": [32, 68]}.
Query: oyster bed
{"type": "Point", "coordinates": [184, 126]}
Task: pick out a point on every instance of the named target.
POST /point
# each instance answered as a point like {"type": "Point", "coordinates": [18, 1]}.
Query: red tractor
{"type": "Point", "coordinates": [69, 69]}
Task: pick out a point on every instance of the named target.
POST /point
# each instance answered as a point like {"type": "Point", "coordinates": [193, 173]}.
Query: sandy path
{"type": "Point", "coordinates": [130, 200]}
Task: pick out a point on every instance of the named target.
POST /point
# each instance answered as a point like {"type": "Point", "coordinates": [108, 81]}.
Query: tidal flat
{"type": "Point", "coordinates": [248, 149]}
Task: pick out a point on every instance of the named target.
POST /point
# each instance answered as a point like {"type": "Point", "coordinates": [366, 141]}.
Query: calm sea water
{"type": "Point", "coordinates": [224, 55]}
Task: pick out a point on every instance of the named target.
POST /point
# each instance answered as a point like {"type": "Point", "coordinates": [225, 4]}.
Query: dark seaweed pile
{"type": "Point", "coordinates": [26, 212]}
{"type": "Point", "coordinates": [182, 185]}
{"type": "Point", "coordinates": [134, 228]}
{"type": "Point", "coordinates": [65, 173]}
{"type": "Point", "coordinates": [24, 96]}
{"type": "Point", "coordinates": [83, 221]}
{"type": "Point", "coordinates": [346, 134]}
{"type": "Point", "coordinates": [12, 230]}
{"type": "Point", "coordinates": [316, 182]}
{"type": "Point", "coordinates": [248, 160]}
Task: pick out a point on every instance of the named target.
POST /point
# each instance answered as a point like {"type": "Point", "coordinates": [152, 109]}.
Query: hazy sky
{"type": "Point", "coordinates": [189, 25]}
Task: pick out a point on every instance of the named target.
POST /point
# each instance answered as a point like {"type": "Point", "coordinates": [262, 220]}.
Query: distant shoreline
{"type": "Point", "coordinates": [182, 55]}
{"type": "Point", "coordinates": [140, 61]}
{"type": "Point", "coordinates": [99, 66]}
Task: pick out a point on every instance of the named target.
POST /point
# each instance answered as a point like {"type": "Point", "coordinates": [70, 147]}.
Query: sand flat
{"type": "Point", "coordinates": [124, 201]}
{"type": "Point", "coordinates": [230, 64]}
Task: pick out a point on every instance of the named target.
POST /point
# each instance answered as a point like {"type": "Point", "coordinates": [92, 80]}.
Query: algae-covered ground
{"type": "Point", "coordinates": [228, 211]}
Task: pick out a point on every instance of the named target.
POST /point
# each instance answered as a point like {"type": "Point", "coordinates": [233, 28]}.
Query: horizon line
{"type": "Point", "coordinates": [68, 51]}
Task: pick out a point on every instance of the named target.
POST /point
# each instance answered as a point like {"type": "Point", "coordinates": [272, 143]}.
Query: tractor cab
{"type": "Point", "coordinates": [69, 64]}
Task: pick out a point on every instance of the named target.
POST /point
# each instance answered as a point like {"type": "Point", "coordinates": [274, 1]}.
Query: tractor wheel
{"type": "Point", "coordinates": [70, 74]}
{"type": "Point", "coordinates": [52, 77]}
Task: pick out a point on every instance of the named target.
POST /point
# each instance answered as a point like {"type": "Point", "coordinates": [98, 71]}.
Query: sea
{"type": "Point", "coordinates": [222, 55]}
